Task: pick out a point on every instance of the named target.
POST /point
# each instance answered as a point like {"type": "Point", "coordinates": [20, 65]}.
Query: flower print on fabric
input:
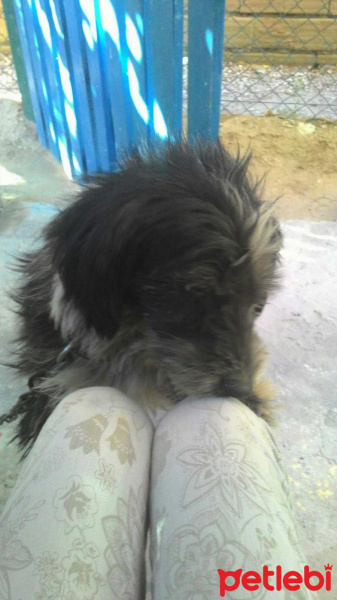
{"type": "Point", "coordinates": [76, 504]}
{"type": "Point", "coordinates": [124, 533]}
{"type": "Point", "coordinates": [106, 475]}
{"type": "Point", "coordinates": [214, 465]}
{"type": "Point", "coordinates": [121, 441]}
{"type": "Point", "coordinates": [87, 434]}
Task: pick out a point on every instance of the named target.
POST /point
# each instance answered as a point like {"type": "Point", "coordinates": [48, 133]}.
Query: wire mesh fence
{"type": "Point", "coordinates": [280, 57]}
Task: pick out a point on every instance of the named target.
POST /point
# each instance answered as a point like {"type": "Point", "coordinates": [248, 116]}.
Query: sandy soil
{"type": "Point", "coordinates": [299, 158]}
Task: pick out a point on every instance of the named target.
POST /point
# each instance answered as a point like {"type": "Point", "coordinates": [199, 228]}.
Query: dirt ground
{"type": "Point", "coordinates": [298, 157]}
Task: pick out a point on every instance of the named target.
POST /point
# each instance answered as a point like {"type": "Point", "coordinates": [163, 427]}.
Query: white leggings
{"type": "Point", "coordinates": [208, 480]}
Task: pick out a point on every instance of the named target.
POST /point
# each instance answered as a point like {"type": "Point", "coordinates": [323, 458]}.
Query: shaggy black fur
{"type": "Point", "coordinates": [155, 275]}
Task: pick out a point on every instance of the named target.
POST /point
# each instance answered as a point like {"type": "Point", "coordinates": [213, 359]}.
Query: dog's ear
{"type": "Point", "coordinates": [87, 249]}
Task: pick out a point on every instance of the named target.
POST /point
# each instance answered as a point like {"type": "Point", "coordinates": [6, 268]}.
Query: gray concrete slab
{"type": "Point", "coordinates": [300, 330]}
{"type": "Point", "coordinates": [299, 327]}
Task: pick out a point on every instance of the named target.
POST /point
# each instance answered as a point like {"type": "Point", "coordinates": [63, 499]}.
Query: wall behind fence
{"type": "Point", "coordinates": [284, 32]}
{"type": "Point", "coordinates": [288, 32]}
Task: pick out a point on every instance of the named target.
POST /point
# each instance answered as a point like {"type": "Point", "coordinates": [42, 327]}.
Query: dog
{"type": "Point", "coordinates": [151, 282]}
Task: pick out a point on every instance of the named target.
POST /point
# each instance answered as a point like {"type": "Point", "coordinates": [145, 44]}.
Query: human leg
{"type": "Point", "coordinates": [75, 525]}
{"type": "Point", "coordinates": [219, 500]}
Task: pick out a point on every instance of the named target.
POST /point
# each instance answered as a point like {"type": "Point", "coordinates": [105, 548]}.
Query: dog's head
{"type": "Point", "coordinates": [175, 250]}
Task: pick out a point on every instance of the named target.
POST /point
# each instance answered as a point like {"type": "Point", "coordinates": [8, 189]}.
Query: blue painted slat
{"type": "Point", "coordinates": [205, 52]}
{"type": "Point", "coordinates": [121, 31]}
{"type": "Point", "coordinates": [148, 47]}
{"type": "Point", "coordinates": [39, 74]}
{"type": "Point", "coordinates": [178, 52]}
{"type": "Point", "coordinates": [137, 107]}
{"type": "Point", "coordinates": [46, 38]}
{"type": "Point", "coordinates": [82, 96]}
{"type": "Point", "coordinates": [163, 20]}
{"type": "Point", "coordinates": [122, 22]}
{"type": "Point", "coordinates": [108, 27]}
{"type": "Point", "coordinates": [64, 81]}
{"type": "Point", "coordinates": [37, 48]}
{"type": "Point", "coordinates": [31, 75]}
{"type": "Point", "coordinates": [104, 140]}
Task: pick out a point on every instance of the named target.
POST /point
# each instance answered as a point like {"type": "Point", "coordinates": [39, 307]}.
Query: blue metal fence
{"type": "Point", "coordinates": [106, 74]}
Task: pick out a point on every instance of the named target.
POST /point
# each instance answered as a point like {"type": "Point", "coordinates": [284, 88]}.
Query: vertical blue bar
{"type": "Point", "coordinates": [86, 17]}
{"type": "Point", "coordinates": [111, 38]}
{"type": "Point", "coordinates": [39, 74]}
{"type": "Point", "coordinates": [178, 52]}
{"type": "Point", "coordinates": [134, 50]}
{"type": "Point", "coordinates": [206, 22]}
{"type": "Point", "coordinates": [31, 76]}
{"type": "Point", "coordinates": [164, 42]}
{"type": "Point", "coordinates": [121, 31]}
{"type": "Point", "coordinates": [46, 39]}
{"type": "Point", "coordinates": [82, 98]}
{"type": "Point", "coordinates": [64, 80]}
{"type": "Point", "coordinates": [39, 62]}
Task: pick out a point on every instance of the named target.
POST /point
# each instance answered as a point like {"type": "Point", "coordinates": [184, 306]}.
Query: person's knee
{"type": "Point", "coordinates": [97, 395]}
{"type": "Point", "coordinates": [188, 411]}
{"type": "Point", "coordinates": [87, 402]}
{"type": "Point", "coordinates": [193, 419]}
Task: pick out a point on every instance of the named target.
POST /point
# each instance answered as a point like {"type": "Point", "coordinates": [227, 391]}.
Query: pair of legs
{"type": "Point", "coordinates": [208, 479]}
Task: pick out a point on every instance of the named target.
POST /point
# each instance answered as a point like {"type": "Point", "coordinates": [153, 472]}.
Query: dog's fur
{"type": "Point", "coordinates": [155, 276]}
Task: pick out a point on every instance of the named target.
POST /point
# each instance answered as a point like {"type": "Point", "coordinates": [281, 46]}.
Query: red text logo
{"type": "Point", "coordinates": [274, 580]}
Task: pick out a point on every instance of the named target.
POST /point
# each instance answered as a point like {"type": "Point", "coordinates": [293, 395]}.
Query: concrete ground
{"type": "Point", "coordinates": [299, 327]}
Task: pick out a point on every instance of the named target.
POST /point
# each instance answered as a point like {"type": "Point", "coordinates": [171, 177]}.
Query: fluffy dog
{"type": "Point", "coordinates": [150, 282]}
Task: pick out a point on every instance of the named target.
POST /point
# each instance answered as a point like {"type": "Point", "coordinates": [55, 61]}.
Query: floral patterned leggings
{"type": "Point", "coordinates": [206, 476]}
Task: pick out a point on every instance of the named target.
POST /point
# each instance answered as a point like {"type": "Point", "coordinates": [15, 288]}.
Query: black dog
{"type": "Point", "coordinates": [150, 282]}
